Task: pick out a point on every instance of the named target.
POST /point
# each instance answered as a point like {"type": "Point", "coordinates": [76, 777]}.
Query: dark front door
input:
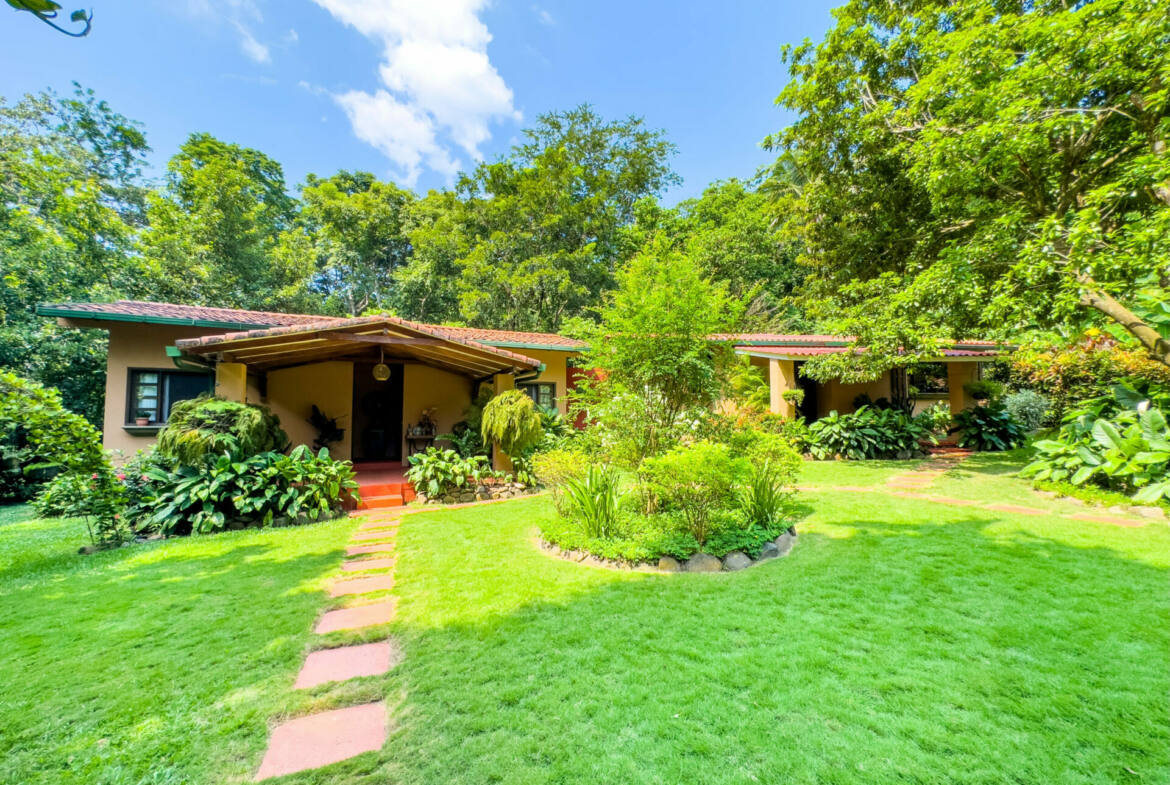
{"type": "Point", "coordinates": [377, 414]}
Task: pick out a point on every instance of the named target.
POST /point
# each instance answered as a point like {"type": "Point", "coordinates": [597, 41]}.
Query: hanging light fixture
{"type": "Point", "coordinates": [381, 370]}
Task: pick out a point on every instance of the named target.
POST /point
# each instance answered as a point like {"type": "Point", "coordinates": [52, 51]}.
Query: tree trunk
{"type": "Point", "coordinates": [1158, 347]}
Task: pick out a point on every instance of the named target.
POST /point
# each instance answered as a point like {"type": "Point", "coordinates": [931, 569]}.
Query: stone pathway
{"type": "Point", "coordinates": [914, 484]}
{"type": "Point", "coordinates": [331, 736]}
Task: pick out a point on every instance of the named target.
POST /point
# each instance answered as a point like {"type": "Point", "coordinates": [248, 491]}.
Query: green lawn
{"type": "Point", "coordinates": [902, 641]}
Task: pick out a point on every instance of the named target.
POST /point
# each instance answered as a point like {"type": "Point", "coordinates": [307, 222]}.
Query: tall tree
{"type": "Point", "coordinates": [979, 168]}
{"type": "Point", "coordinates": [71, 195]}
{"type": "Point", "coordinates": [214, 227]}
{"type": "Point", "coordinates": [356, 227]}
{"type": "Point", "coordinates": [544, 221]}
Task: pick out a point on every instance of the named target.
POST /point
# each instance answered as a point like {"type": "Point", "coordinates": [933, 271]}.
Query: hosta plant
{"type": "Point", "coordinates": [1117, 442]}
{"type": "Point", "coordinates": [989, 428]}
{"type": "Point", "coordinates": [868, 433]}
{"type": "Point", "coordinates": [437, 472]}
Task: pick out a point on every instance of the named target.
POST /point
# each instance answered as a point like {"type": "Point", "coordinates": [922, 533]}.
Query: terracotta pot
{"type": "Point", "coordinates": [142, 421]}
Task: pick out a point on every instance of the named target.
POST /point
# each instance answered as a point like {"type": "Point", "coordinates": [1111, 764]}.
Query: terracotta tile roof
{"type": "Point", "coordinates": [814, 351]}
{"type": "Point", "coordinates": [170, 313]}
{"type": "Point", "coordinates": [508, 337]}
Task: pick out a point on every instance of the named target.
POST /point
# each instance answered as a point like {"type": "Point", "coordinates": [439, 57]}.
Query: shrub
{"type": "Point", "coordinates": [1026, 407]}
{"type": "Point", "coordinates": [1119, 442]}
{"type": "Point", "coordinates": [553, 468]}
{"type": "Point", "coordinates": [63, 495]}
{"type": "Point", "coordinates": [694, 481]}
{"type": "Point", "coordinates": [267, 488]}
{"type": "Point", "coordinates": [438, 472]}
{"type": "Point", "coordinates": [867, 434]}
{"type": "Point", "coordinates": [39, 437]}
{"type": "Point", "coordinates": [765, 496]}
{"type": "Point", "coordinates": [988, 428]}
{"type": "Point", "coordinates": [936, 418]}
{"type": "Point", "coordinates": [984, 389]}
{"type": "Point", "coordinates": [592, 501]}
{"type": "Point", "coordinates": [206, 426]}
{"type": "Point", "coordinates": [777, 451]}
{"type": "Point", "coordinates": [512, 421]}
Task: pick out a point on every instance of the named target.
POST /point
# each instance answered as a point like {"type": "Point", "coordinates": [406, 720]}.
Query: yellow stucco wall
{"type": "Point", "coordinates": [836, 395]}
{"type": "Point", "coordinates": [292, 392]}
{"type": "Point", "coordinates": [134, 346]}
{"type": "Point", "coordinates": [555, 363]}
{"type": "Point", "coordinates": [427, 387]}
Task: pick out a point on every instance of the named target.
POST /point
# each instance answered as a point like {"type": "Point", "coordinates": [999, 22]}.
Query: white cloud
{"type": "Point", "coordinates": [543, 15]}
{"type": "Point", "coordinates": [240, 15]}
{"type": "Point", "coordinates": [291, 37]}
{"type": "Point", "coordinates": [438, 87]}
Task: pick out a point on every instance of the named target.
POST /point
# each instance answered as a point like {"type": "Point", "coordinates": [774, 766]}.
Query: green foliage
{"type": "Point", "coordinates": [511, 420]}
{"type": "Point", "coordinates": [989, 428]}
{"type": "Point", "coordinates": [438, 472]}
{"type": "Point", "coordinates": [39, 437]}
{"type": "Point", "coordinates": [1027, 407]}
{"type": "Point", "coordinates": [99, 499]}
{"type": "Point", "coordinates": [970, 167]}
{"type": "Point", "coordinates": [206, 426]}
{"type": "Point", "coordinates": [232, 490]}
{"type": "Point", "coordinates": [652, 353]}
{"type": "Point", "coordinates": [1119, 442]}
{"type": "Point", "coordinates": [984, 389]}
{"type": "Point", "coordinates": [62, 495]}
{"type": "Point", "coordinates": [936, 418]}
{"type": "Point", "coordinates": [555, 467]}
{"type": "Point", "coordinates": [748, 386]}
{"type": "Point", "coordinates": [694, 481]}
{"type": "Point", "coordinates": [766, 494]}
{"type": "Point", "coordinates": [869, 433]}
{"type": "Point", "coordinates": [592, 500]}
{"type": "Point", "coordinates": [47, 11]}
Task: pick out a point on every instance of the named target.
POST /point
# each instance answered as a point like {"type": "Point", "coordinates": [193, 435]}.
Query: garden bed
{"type": "Point", "coordinates": [733, 561]}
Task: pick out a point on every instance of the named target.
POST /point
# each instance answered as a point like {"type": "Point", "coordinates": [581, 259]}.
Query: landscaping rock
{"type": "Point", "coordinates": [1150, 512]}
{"type": "Point", "coordinates": [448, 499]}
{"type": "Point", "coordinates": [464, 498]}
{"type": "Point", "coordinates": [703, 562]}
{"type": "Point", "coordinates": [736, 560]}
{"type": "Point", "coordinates": [669, 564]}
{"type": "Point", "coordinates": [770, 551]}
{"type": "Point", "coordinates": [904, 455]}
{"type": "Point", "coordinates": [483, 495]}
{"type": "Point", "coordinates": [784, 543]}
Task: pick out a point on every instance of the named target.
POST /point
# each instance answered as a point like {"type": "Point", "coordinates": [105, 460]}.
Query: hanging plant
{"type": "Point", "coordinates": [512, 421]}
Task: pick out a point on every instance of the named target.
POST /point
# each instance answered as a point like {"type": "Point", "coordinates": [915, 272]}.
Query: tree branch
{"type": "Point", "coordinates": [1093, 297]}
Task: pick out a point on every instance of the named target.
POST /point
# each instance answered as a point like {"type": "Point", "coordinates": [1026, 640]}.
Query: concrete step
{"type": "Point", "coordinates": [378, 502]}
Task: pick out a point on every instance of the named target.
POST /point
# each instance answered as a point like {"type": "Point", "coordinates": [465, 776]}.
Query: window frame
{"type": "Point", "coordinates": [163, 395]}
{"type": "Point", "coordinates": [945, 393]}
{"type": "Point", "coordinates": [524, 387]}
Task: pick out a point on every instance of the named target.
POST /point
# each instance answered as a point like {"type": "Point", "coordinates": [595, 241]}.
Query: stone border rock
{"type": "Point", "coordinates": [481, 493]}
{"type": "Point", "coordinates": [700, 562]}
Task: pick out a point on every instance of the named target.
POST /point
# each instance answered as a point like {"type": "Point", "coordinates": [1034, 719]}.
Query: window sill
{"type": "Point", "coordinates": [934, 396]}
{"type": "Point", "coordinates": [142, 430]}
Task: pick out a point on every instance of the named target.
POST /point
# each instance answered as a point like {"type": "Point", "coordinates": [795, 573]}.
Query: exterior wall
{"type": "Point", "coordinates": [836, 395]}
{"type": "Point", "coordinates": [958, 374]}
{"type": "Point", "coordinates": [427, 387]}
{"type": "Point", "coordinates": [292, 392]}
{"type": "Point", "coordinates": [134, 345]}
{"type": "Point", "coordinates": [555, 371]}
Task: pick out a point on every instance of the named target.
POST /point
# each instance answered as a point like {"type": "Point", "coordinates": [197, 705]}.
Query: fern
{"type": "Point", "coordinates": [512, 421]}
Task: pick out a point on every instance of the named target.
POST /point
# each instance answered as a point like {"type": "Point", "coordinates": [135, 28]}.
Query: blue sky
{"type": "Point", "coordinates": [414, 90]}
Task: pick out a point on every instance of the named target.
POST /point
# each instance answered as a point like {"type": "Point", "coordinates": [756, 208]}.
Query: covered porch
{"type": "Point", "coordinates": [940, 380]}
{"type": "Point", "coordinates": [391, 386]}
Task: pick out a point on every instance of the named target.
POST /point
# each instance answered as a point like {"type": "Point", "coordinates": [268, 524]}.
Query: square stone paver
{"type": "Point", "coordinates": [346, 662]}
{"type": "Point", "coordinates": [1017, 509]}
{"type": "Point", "coordinates": [356, 617]}
{"type": "Point", "coordinates": [358, 565]}
{"type": "Point", "coordinates": [373, 535]}
{"type": "Point", "coordinates": [361, 585]}
{"type": "Point", "coordinates": [358, 550]}
{"type": "Point", "coordinates": [379, 526]}
{"type": "Point", "coordinates": [1112, 520]}
{"type": "Point", "coordinates": [324, 738]}
{"type": "Point", "coordinates": [953, 502]}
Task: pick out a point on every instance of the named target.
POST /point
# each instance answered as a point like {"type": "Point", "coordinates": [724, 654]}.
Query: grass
{"type": "Point", "coordinates": [901, 642]}
{"type": "Point", "coordinates": [157, 664]}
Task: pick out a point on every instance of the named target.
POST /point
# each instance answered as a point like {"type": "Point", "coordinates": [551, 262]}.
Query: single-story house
{"type": "Point", "coordinates": [382, 377]}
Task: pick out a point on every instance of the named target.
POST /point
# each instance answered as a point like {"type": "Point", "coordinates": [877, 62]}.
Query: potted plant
{"type": "Point", "coordinates": [143, 417]}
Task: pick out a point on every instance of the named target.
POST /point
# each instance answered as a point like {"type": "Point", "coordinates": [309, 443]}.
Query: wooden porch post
{"type": "Point", "coordinates": [501, 382]}
{"type": "Point", "coordinates": [231, 381]}
{"type": "Point", "coordinates": [781, 377]}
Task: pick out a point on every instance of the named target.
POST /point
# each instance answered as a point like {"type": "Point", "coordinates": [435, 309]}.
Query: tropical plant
{"type": "Point", "coordinates": [62, 495]}
{"type": "Point", "coordinates": [936, 418]}
{"type": "Point", "coordinates": [556, 467]}
{"type": "Point", "coordinates": [438, 472]}
{"type": "Point", "coordinates": [511, 420]}
{"type": "Point", "coordinates": [693, 481]}
{"type": "Point", "coordinates": [748, 387]}
{"type": "Point", "coordinates": [1027, 407]}
{"type": "Point", "coordinates": [989, 428]}
{"type": "Point", "coordinates": [984, 389]}
{"type": "Point", "coordinates": [39, 438]}
{"type": "Point", "coordinates": [466, 441]}
{"type": "Point", "coordinates": [765, 496]}
{"type": "Point", "coordinates": [592, 500]}
{"type": "Point", "coordinates": [1119, 442]}
{"type": "Point", "coordinates": [868, 433]}
{"type": "Point", "coordinates": [205, 426]}
{"type": "Point", "coordinates": [230, 489]}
